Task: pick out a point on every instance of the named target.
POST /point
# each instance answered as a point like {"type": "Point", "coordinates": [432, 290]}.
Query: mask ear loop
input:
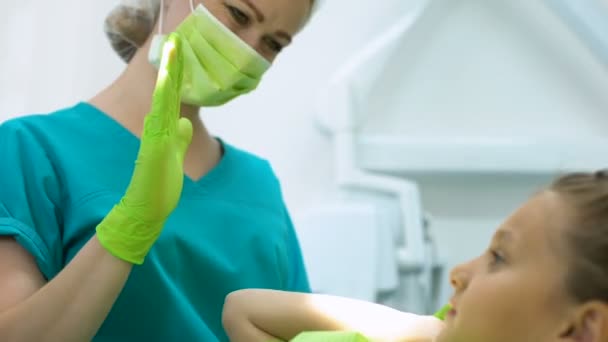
{"type": "Point", "coordinates": [161, 17]}
{"type": "Point", "coordinates": [155, 52]}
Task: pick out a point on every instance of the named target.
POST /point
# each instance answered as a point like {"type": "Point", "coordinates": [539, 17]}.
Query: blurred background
{"type": "Point", "coordinates": [403, 131]}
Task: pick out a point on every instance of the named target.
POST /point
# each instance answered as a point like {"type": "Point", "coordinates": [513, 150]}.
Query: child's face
{"type": "Point", "coordinates": [514, 291]}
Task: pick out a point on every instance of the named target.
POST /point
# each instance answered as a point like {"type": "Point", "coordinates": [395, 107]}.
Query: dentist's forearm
{"type": "Point", "coordinates": [74, 304]}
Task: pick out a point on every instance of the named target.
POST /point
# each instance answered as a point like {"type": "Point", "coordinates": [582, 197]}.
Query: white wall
{"type": "Point", "coordinates": [493, 68]}
{"type": "Point", "coordinates": [473, 67]}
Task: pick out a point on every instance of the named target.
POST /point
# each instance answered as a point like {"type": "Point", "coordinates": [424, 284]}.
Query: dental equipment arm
{"type": "Point", "coordinates": [259, 315]}
{"type": "Point", "coordinates": [72, 306]}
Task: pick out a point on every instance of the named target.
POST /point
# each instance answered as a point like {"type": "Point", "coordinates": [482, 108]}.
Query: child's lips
{"type": "Point", "coordinates": [452, 312]}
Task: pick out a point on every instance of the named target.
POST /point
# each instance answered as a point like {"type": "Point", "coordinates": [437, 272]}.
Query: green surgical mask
{"type": "Point", "coordinates": [218, 65]}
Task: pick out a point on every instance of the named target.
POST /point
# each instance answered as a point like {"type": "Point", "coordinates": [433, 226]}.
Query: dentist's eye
{"type": "Point", "coordinates": [273, 44]}
{"type": "Point", "coordinates": [239, 16]}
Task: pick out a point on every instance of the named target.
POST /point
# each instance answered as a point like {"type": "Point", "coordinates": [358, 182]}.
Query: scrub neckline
{"type": "Point", "coordinates": [215, 172]}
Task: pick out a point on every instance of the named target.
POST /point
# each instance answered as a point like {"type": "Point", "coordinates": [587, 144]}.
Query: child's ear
{"type": "Point", "coordinates": [587, 323]}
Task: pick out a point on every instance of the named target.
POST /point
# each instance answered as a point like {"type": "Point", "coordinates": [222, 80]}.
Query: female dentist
{"type": "Point", "coordinates": [132, 177]}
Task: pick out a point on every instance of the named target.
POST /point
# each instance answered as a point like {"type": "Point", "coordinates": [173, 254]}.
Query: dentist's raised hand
{"type": "Point", "coordinates": [133, 225]}
{"type": "Point", "coordinates": [74, 304]}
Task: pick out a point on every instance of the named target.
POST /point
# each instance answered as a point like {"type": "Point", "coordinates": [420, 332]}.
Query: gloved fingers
{"type": "Point", "coordinates": [184, 134]}
{"type": "Point", "coordinates": [166, 100]}
{"type": "Point", "coordinates": [441, 313]}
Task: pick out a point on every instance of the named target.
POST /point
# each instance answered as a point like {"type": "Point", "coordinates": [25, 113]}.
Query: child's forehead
{"type": "Point", "coordinates": [539, 219]}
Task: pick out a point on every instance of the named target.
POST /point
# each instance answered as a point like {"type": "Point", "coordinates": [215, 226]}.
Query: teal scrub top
{"type": "Point", "coordinates": [62, 172]}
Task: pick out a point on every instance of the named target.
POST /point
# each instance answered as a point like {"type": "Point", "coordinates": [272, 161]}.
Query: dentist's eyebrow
{"type": "Point", "coordinates": [258, 14]}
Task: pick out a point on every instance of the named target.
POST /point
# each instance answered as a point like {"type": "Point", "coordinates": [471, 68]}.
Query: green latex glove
{"type": "Point", "coordinates": [330, 336]}
{"type": "Point", "coordinates": [133, 225]}
{"type": "Point", "coordinates": [443, 311]}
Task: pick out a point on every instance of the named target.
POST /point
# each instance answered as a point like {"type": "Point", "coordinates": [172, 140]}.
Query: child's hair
{"type": "Point", "coordinates": [587, 235]}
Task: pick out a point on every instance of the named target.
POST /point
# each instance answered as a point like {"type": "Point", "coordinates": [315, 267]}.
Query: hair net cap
{"type": "Point", "coordinates": [129, 25]}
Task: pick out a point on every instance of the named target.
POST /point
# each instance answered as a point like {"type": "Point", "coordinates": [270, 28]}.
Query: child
{"type": "Point", "coordinates": [544, 278]}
